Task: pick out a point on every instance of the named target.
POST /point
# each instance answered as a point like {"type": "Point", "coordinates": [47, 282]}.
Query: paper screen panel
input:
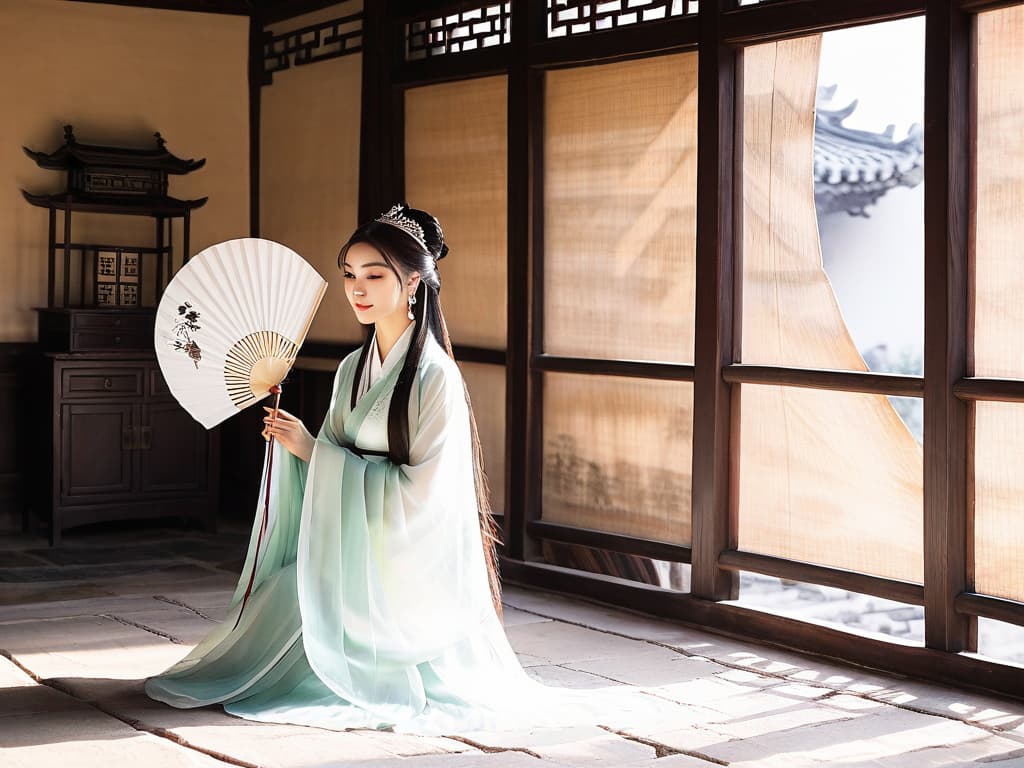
{"type": "Point", "coordinates": [309, 176]}
{"type": "Point", "coordinates": [824, 490]}
{"type": "Point", "coordinates": [999, 499]}
{"type": "Point", "coordinates": [790, 313]}
{"type": "Point", "coordinates": [998, 284]}
{"type": "Point", "coordinates": [456, 168]}
{"type": "Point", "coordinates": [999, 227]}
{"type": "Point", "coordinates": [486, 384]}
{"type": "Point", "coordinates": [620, 179]}
{"type": "Point", "coordinates": [831, 478]}
{"type": "Point", "coordinates": [617, 455]}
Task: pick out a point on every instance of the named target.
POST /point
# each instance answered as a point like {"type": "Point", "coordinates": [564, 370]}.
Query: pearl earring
{"type": "Point", "coordinates": [412, 300]}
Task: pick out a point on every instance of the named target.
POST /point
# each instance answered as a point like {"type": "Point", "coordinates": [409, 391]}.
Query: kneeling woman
{"type": "Point", "coordinates": [375, 601]}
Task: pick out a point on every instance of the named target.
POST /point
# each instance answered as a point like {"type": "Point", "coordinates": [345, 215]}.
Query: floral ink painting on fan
{"type": "Point", "coordinates": [230, 324]}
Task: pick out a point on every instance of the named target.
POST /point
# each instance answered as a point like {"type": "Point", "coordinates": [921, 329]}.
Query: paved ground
{"type": "Point", "coordinates": [81, 626]}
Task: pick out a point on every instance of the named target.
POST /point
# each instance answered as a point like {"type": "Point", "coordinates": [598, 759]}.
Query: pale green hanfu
{"type": "Point", "coordinates": [370, 606]}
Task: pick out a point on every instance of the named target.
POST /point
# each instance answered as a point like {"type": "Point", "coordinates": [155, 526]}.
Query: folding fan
{"type": "Point", "coordinates": [230, 324]}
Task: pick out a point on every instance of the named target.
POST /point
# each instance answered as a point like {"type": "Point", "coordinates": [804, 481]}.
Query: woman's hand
{"type": "Point", "coordinates": [289, 432]}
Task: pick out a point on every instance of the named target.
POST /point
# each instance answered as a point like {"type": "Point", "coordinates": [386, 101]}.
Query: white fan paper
{"type": "Point", "coordinates": [230, 324]}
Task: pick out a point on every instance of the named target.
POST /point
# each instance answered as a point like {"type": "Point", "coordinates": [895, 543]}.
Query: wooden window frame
{"type": "Point", "coordinates": [718, 34]}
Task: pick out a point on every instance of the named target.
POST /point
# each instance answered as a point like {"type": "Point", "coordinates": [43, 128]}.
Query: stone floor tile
{"type": "Point", "coordinates": [158, 580]}
{"type": "Point", "coordinates": [69, 609]}
{"type": "Point", "coordinates": [527, 660]}
{"type": "Point", "coordinates": [505, 759]}
{"type": "Point", "coordinates": [991, 751]}
{"type": "Point", "coordinates": [31, 592]}
{"type": "Point", "coordinates": [602, 617]}
{"type": "Point", "coordinates": [673, 761]}
{"type": "Point", "coordinates": [609, 749]}
{"type": "Point", "coordinates": [704, 691]}
{"type": "Point", "coordinates": [211, 603]}
{"type": "Point", "coordinates": [87, 647]}
{"type": "Point", "coordinates": [512, 617]}
{"type": "Point", "coordinates": [185, 626]}
{"type": "Point", "coordinates": [283, 746]}
{"type": "Point", "coordinates": [565, 677]}
{"type": "Point", "coordinates": [783, 719]}
{"type": "Point", "coordinates": [11, 675]}
{"type": "Point", "coordinates": [533, 738]}
{"type": "Point", "coordinates": [559, 643]}
{"type": "Point", "coordinates": [969, 706]}
{"type": "Point", "coordinates": [684, 737]}
{"type": "Point", "coordinates": [758, 703]}
{"type": "Point", "coordinates": [652, 667]}
{"type": "Point", "coordinates": [405, 744]}
{"type": "Point", "coordinates": [873, 736]}
{"type": "Point", "coordinates": [801, 691]}
{"type": "Point", "coordinates": [1015, 762]}
{"type": "Point", "coordinates": [33, 699]}
{"type": "Point", "coordinates": [850, 703]}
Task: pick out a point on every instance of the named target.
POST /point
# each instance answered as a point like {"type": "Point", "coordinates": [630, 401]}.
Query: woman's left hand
{"type": "Point", "coordinates": [289, 432]}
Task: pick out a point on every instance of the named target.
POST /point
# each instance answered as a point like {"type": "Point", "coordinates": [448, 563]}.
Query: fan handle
{"type": "Point", "coordinates": [276, 391]}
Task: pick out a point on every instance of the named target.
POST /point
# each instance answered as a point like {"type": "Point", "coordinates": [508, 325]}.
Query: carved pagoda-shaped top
{"type": "Point", "coordinates": [114, 179]}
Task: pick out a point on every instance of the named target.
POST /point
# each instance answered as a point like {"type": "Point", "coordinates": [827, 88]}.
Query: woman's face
{"type": "Point", "coordinates": [373, 290]}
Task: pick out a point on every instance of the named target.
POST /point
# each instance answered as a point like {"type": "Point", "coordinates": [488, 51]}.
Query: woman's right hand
{"type": "Point", "coordinates": [290, 432]}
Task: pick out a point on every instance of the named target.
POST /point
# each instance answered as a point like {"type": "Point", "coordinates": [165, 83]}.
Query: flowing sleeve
{"type": "Point", "coordinates": [390, 561]}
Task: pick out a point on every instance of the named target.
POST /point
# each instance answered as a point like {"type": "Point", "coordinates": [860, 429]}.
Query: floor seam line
{"type": "Point", "coordinates": [135, 725]}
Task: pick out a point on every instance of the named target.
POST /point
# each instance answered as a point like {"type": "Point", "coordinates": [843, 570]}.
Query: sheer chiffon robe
{"type": "Point", "coordinates": [371, 605]}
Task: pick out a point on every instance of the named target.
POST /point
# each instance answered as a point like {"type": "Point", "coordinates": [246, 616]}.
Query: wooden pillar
{"type": "Point", "coordinates": [714, 523]}
{"type": "Point", "coordinates": [525, 278]}
{"type": "Point", "coordinates": [947, 199]}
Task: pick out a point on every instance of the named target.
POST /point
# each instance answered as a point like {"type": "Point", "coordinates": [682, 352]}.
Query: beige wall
{"type": "Point", "coordinates": [117, 74]}
{"type": "Point", "coordinates": [309, 167]}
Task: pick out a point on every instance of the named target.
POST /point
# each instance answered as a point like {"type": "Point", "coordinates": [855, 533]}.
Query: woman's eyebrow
{"type": "Point", "coordinates": [371, 264]}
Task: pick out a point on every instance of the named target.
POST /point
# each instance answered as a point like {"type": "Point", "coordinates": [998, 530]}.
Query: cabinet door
{"type": "Point", "coordinates": [95, 455]}
{"type": "Point", "coordinates": [174, 451]}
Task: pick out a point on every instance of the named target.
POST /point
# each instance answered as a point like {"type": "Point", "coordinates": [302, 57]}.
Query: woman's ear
{"type": "Point", "coordinates": [413, 282]}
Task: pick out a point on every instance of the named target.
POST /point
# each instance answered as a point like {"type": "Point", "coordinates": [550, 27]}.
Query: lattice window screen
{"type": "Point", "coordinates": [578, 17]}
{"type": "Point", "coordinates": [825, 477]}
{"type": "Point", "coordinates": [620, 182]}
{"type": "Point", "coordinates": [998, 284]}
{"type": "Point", "coordinates": [467, 28]}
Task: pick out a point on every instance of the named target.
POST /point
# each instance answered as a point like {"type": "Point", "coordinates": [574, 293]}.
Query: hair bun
{"type": "Point", "coordinates": [443, 251]}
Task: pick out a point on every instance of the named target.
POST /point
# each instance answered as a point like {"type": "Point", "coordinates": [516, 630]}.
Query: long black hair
{"type": "Point", "coordinates": [406, 255]}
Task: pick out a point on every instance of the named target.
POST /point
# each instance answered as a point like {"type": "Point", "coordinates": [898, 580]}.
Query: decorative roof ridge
{"type": "Point", "coordinates": [72, 152]}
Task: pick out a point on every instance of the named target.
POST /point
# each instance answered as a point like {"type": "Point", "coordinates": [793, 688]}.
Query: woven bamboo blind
{"type": "Point", "coordinates": [997, 287]}
{"type": "Point", "coordinates": [486, 384]}
{"type": "Point", "coordinates": [619, 228]}
{"type": "Point", "coordinates": [456, 168]}
{"type": "Point", "coordinates": [620, 181]}
{"type": "Point", "coordinates": [830, 478]}
{"type": "Point", "coordinates": [617, 455]}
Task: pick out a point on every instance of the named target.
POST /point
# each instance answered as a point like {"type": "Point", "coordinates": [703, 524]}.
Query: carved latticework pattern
{"type": "Point", "coordinates": [580, 17]}
{"type": "Point", "coordinates": [465, 28]}
{"type": "Point", "coordinates": [318, 42]}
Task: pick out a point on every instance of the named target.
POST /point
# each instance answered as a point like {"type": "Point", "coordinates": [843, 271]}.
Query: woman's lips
{"type": "Point", "coordinates": [363, 307]}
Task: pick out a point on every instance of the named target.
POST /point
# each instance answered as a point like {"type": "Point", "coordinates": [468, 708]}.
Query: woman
{"type": "Point", "coordinates": [375, 599]}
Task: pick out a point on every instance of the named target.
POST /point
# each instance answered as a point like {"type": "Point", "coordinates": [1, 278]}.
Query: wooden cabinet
{"type": "Point", "coordinates": [122, 447]}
